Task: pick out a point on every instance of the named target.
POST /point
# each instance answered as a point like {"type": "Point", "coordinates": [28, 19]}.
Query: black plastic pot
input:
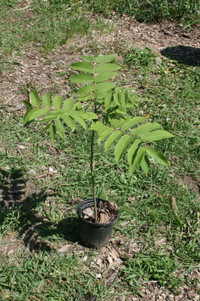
{"type": "Point", "coordinates": [93, 234]}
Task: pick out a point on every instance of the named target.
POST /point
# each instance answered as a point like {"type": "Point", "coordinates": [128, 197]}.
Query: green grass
{"type": "Point", "coordinates": [186, 12]}
{"type": "Point", "coordinates": [152, 209]}
{"type": "Point", "coordinates": [45, 277]}
{"type": "Point", "coordinates": [174, 91]}
{"type": "Point", "coordinates": [47, 24]}
{"type": "Point", "coordinates": [41, 23]}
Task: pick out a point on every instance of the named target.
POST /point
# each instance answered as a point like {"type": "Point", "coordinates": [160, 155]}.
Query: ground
{"type": "Point", "coordinates": [36, 69]}
{"type": "Point", "coordinates": [50, 72]}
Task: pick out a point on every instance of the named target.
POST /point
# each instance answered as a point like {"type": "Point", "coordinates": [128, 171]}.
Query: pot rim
{"type": "Point", "coordinates": [88, 202]}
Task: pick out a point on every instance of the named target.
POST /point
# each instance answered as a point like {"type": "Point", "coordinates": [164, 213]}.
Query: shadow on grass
{"type": "Point", "coordinates": [31, 227]}
{"type": "Point", "coordinates": [69, 228]}
{"type": "Point", "coordinates": [183, 54]}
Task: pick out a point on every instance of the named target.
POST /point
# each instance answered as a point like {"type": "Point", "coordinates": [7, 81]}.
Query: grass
{"type": "Point", "coordinates": [159, 208]}
{"type": "Point", "coordinates": [47, 24]}
{"type": "Point", "coordinates": [157, 233]}
{"type": "Point", "coordinates": [186, 12]}
{"type": "Point", "coordinates": [42, 23]}
{"type": "Point", "coordinates": [36, 278]}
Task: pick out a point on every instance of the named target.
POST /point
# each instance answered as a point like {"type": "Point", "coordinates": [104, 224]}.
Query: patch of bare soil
{"type": "Point", "coordinates": [43, 71]}
{"type": "Point", "coordinates": [190, 182]}
{"type": "Point", "coordinates": [12, 248]}
{"type": "Point", "coordinates": [108, 265]}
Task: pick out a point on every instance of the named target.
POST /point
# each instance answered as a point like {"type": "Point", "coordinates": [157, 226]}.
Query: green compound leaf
{"type": "Point", "coordinates": [60, 128]}
{"type": "Point", "coordinates": [27, 104]}
{"type": "Point", "coordinates": [83, 66]}
{"type": "Point", "coordinates": [107, 101]}
{"type": "Point", "coordinates": [104, 68]}
{"type": "Point", "coordinates": [78, 106]}
{"type": "Point", "coordinates": [77, 117]}
{"type": "Point", "coordinates": [28, 114]}
{"type": "Point", "coordinates": [88, 58]}
{"type": "Point", "coordinates": [112, 138]}
{"type": "Point", "coordinates": [121, 110]}
{"type": "Point", "coordinates": [132, 151]}
{"type": "Point", "coordinates": [100, 94]}
{"type": "Point", "coordinates": [37, 113]}
{"type": "Point", "coordinates": [57, 102]}
{"type": "Point", "coordinates": [157, 156]}
{"type": "Point", "coordinates": [102, 77]}
{"type": "Point", "coordinates": [122, 146]}
{"type": "Point", "coordinates": [105, 58]}
{"type": "Point", "coordinates": [132, 122]}
{"type": "Point", "coordinates": [156, 135]}
{"type": "Point", "coordinates": [145, 164]}
{"type": "Point", "coordinates": [35, 100]}
{"type": "Point", "coordinates": [46, 100]}
{"type": "Point", "coordinates": [105, 86]}
{"type": "Point", "coordinates": [122, 99]}
{"type": "Point", "coordinates": [89, 115]}
{"type": "Point", "coordinates": [68, 105]}
{"type": "Point", "coordinates": [52, 132]}
{"type": "Point", "coordinates": [82, 78]}
{"type": "Point", "coordinates": [117, 123]}
{"type": "Point", "coordinates": [96, 126]}
{"type": "Point", "coordinates": [85, 90]}
{"type": "Point", "coordinates": [103, 134]}
{"type": "Point", "coordinates": [69, 122]}
{"type": "Point", "coordinates": [116, 99]}
{"type": "Point", "coordinates": [137, 159]}
{"type": "Point", "coordinates": [143, 129]}
{"type": "Point", "coordinates": [54, 114]}
{"type": "Point", "coordinates": [101, 129]}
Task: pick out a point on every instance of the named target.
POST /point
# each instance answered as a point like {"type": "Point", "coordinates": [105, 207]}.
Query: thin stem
{"type": "Point", "coordinates": [92, 156]}
{"type": "Point", "coordinates": [92, 176]}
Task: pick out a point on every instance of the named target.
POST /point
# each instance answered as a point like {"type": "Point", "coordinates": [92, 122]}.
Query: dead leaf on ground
{"type": "Point", "coordinates": [106, 211]}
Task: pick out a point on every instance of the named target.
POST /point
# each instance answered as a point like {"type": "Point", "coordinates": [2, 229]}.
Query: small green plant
{"type": "Point", "coordinates": [104, 109]}
{"type": "Point", "coordinates": [139, 58]}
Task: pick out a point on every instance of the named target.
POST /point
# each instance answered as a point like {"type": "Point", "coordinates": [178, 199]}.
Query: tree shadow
{"type": "Point", "coordinates": [183, 54]}
{"type": "Point", "coordinates": [69, 228]}
{"type": "Point", "coordinates": [12, 187]}
{"type": "Point", "coordinates": [32, 227]}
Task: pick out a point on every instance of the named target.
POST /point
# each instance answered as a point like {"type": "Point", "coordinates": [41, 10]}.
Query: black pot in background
{"type": "Point", "coordinates": [92, 234]}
